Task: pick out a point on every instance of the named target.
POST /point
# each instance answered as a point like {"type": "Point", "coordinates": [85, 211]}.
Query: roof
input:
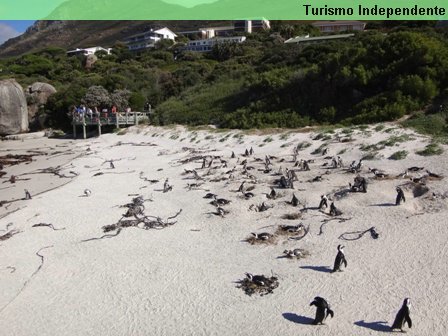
{"type": "Point", "coordinates": [155, 31]}
{"type": "Point", "coordinates": [302, 39]}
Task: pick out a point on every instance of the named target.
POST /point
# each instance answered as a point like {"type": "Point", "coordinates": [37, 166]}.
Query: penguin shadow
{"type": "Point", "coordinates": [323, 269]}
{"type": "Point", "coordinates": [297, 318]}
{"type": "Point", "coordinates": [383, 204]}
{"type": "Point", "coordinates": [377, 325]}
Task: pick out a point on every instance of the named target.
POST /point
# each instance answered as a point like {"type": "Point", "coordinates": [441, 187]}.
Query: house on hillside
{"type": "Point", "coordinates": [238, 26]}
{"type": "Point", "coordinates": [251, 26]}
{"type": "Point", "coordinates": [148, 39]}
{"type": "Point", "coordinates": [88, 51]}
{"type": "Point", "coordinates": [206, 45]}
{"type": "Point", "coordinates": [338, 26]}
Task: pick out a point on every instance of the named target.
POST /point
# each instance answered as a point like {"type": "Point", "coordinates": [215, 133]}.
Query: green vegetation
{"type": "Point", "coordinates": [262, 83]}
{"type": "Point", "coordinates": [400, 155]}
{"type": "Point", "coordinates": [393, 140]}
{"type": "Point", "coordinates": [302, 145]}
{"type": "Point", "coordinates": [431, 149]}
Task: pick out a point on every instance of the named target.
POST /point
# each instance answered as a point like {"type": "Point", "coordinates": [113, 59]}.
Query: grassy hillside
{"type": "Point", "coordinates": [262, 82]}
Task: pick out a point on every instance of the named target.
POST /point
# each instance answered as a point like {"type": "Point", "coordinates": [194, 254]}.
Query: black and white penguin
{"type": "Point", "coordinates": [340, 259]}
{"type": "Point", "coordinates": [403, 316]}
{"type": "Point", "coordinates": [293, 253]}
{"type": "Point", "coordinates": [334, 211]}
{"type": "Point", "coordinates": [256, 279]}
{"type": "Point", "coordinates": [233, 155]}
{"type": "Point", "coordinates": [294, 200]}
{"type": "Point", "coordinates": [210, 195]}
{"type": "Point", "coordinates": [400, 196]}
{"type": "Point", "coordinates": [322, 311]}
{"type": "Point", "coordinates": [323, 202]}
{"type": "Point", "coordinates": [262, 236]}
{"type": "Point", "coordinates": [251, 151]}
{"type": "Point", "coordinates": [27, 195]}
{"type": "Point", "coordinates": [241, 188]}
{"type": "Point", "coordinates": [87, 192]}
{"type": "Point", "coordinates": [112, 166]}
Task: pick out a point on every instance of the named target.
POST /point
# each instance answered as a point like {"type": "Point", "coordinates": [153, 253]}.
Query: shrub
{"type": "Point", "coordinates": [400, 155]}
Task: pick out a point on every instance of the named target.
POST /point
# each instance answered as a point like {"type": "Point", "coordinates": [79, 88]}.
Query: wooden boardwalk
{"type": "Point", "coordinates": [117, 120]}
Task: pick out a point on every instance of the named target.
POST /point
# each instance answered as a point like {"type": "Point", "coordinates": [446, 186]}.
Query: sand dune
{"type": "Point", "coordinates": [183, 279]}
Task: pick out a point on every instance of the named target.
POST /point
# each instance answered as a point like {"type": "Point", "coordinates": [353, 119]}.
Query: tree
{"type": "Point", "coordinates": [120, 98]}
{"type": "Point", "coordinates": [97, 96]}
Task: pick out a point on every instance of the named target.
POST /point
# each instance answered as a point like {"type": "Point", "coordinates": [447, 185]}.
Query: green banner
{"type": "Point", "coordinates": [222, 10]}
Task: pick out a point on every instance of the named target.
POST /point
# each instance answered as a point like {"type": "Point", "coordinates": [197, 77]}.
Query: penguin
{"type": "Point", "coordinates": [112, 166]}
{"type": "Point", "coordinates": [12, 179]}
{"type": "Point", "coordinates": [403, 316]}
{"type": "Point", "coordinates": [323, 202]}
{"type": "Point", "coordinates": [256, 279]}
{"type": "Point", "coordinates": [27, 195]}
{"type": "Point", "coordinates": [334, 211]}
{"type": "Point", "coordinates": [293, 253]}
{"type": "Point", "coordinates": [233, 155]}
{"type": "Point", "coordinates": [246, 153]}
{"type": "Point", "coordinates": [261, 236]}
{"type": "Point", "coordinates": [340, 259]}
{"type": "Point", "coordinates": [209, 195]}
{"type": "Point", "coordinates": [241, 188]}
{"type": "Point", "coordinates": [204, 161]}
{"type": "Point", "coordinates": [272, 194]}
{"type": "Point", "coordinates": [251, 151]}
{"type": "Point", "coordinates": [87, 192]}
{"type": "Point", "coordinates": [306, 166]}
{"type": "Point", "coordinates": [400, 196]}
{"type": "Point", "coordinates": [248, 195]}
{"type": "Point", "coordinates": [294, 200]}
{"type": "Point", "coordinates": [322, 311]}
{"type": "Point", "coordinates": [220, 201]}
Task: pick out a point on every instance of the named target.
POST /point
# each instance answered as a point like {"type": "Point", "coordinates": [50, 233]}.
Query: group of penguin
{"type": "Point", "coordinates": [323, 308]}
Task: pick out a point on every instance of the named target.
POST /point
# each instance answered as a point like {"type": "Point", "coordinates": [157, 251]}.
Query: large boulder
{"type": "Point", "coordinates": [13, 108]}
{"type": "Point", "coordinates": [37, 95]}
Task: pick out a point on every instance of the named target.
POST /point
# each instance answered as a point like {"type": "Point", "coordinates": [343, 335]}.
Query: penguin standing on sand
{"type": "Point", "coordinates": [322, 311]}
{"type": "Point", "coordinates": [27, 195]}
{"type": "Point", "coordinates": [294, 200]}
{"type": "Point", "coordinates": [340, 259]}
{"type": "Point", "coordinates": [403, 316]}
{"type": "Point", "coordinates": [400, 196]}
{"type": "Point", "coordinates": [334, 211]}
{"type": "Point", "coordinates": [323, 202]}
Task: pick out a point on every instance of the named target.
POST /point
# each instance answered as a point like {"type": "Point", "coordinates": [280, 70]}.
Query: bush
{"type": "Point", "coordinates": [400, 155]}
{"type": "Point", "coordinates": [431, 149]}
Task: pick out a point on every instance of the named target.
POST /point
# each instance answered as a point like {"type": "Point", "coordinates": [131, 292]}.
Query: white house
{"type": "Point", "coordinates": [207, 44]}
{"type": "Point", "coordinates": [87, 51]}
{"type": "Point", "coordinates": [148, 39]}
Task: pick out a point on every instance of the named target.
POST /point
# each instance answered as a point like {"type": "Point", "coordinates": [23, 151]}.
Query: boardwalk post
{"type": "Point", "coordinates": [117, 125]}
{"type": "Point", "coordinates": [99, 126]}
{"type": "Point", "coordinates": [84, 127]}
{"type": "Point", "coordinates": [74, 125]}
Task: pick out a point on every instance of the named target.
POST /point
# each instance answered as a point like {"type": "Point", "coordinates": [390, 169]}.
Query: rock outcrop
{"type": "Point", "coordinates": [13, 108]}
{"type": "Point", "coordinates": [37, 95]}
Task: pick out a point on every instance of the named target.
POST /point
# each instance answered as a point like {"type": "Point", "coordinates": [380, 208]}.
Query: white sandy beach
{"type": "Point", "coordinates": [182, 280]}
